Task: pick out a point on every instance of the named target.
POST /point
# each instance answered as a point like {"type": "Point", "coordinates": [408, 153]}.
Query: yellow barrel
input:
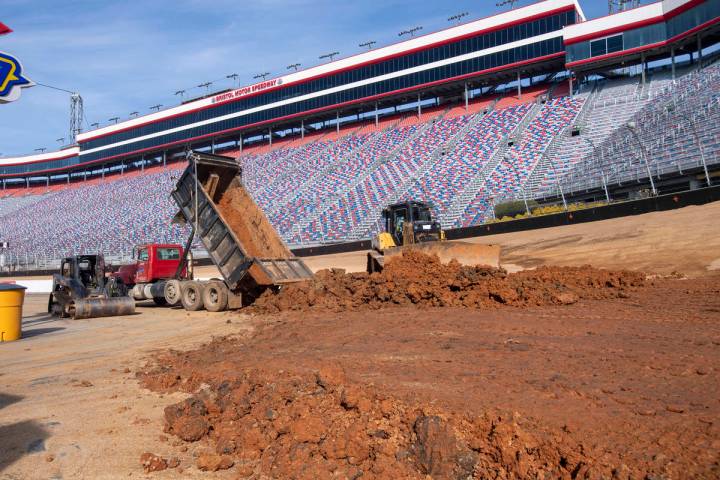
{"type": "Point", "coordinates": [11, 303]}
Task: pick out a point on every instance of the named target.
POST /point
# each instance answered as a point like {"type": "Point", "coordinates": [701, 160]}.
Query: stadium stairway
{"type": "Point", "coordinates": [341, 210]}
{"type": "Point", "coordinates": [455, 134]}
{"type": "Point", "coordinates": [462, 203]}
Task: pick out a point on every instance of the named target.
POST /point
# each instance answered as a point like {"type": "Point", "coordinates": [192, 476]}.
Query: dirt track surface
{"type": "Point", "coordinates": [684, 240]}
{"type": "Point", "coordinates": [625, 387]}
{"type": "Point", "coordinates": [67, 393]}
{"type": "Point", "coordinates": [626, 383]}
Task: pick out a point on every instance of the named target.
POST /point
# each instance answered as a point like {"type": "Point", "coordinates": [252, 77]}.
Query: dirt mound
{"type": "Point", "coordinates": [319, 425]}
{"type": "Point", "coordinates": [419, 279]}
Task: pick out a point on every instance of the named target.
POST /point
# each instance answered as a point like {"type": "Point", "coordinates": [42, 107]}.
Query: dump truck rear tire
{"type": "Point", "coordinates": [192, 296]}
{"type": "Point", "coordinates": [215, 297]}
{"type": "Point", "coordinates": [160, 301]}
{"type": "Point", "coordinates": [173, 292]}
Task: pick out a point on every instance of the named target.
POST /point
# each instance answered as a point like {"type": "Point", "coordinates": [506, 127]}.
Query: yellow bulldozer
{"type": "Point", "coordinates": [410, 225]}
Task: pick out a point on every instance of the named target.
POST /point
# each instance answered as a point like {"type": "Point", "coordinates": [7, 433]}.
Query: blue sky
{"type": "Point", "coordinates": [125, 56]}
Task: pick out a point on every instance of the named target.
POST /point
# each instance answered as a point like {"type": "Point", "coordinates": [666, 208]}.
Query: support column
{"type": "Point", "coordinates": [467, 100]}
{"type": "Point", "coordinates": [68, 178]}
{"type": "Point", "coordinates": [240, 143]}
{"type": "Point", "coordinates": [164, 157]}
{"type": "Point", "coordinates": [700, 56]}
{"type": "Point", "coordinates": [337, 122]}
{"type": "Point", "coordinates": [47, 181]}
{"type": "Point", "coordinates": [142, 164]}
{"type": "Point", "coordinates": [642, 65]}
{"type": "Point", "coordinates": [102, 174]}
{"type": "Point", "coordinates": [3, 184]}
{"type": "Point", "coordinates": [570, 85]}
{"type": "Point", "coordinates": [519, 88]}
{"type": "Point", "coordinates": [270, 135]}
{"type": "Point", "coordinates": [376, 115]}
{"type": "Point", "coordinates": [212, 146]}
{"type": "Point", "coordinates": [85, 176]}
{"type": "Point", "coordinates": [672, 59]}
{"type": "Point", "coordinates": [419, 107]}
{"type": "Point", "coordinates": [27, 182]}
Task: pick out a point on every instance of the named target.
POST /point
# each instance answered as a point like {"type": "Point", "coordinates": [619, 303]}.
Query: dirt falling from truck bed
{"type": "Point", "coordinates": [250, 225]}
{"type": "Point", "coordinates": [419, 279]}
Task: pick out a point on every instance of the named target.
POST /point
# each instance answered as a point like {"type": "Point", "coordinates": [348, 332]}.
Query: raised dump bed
{"type": "Point", "coordinates": [240, 240]}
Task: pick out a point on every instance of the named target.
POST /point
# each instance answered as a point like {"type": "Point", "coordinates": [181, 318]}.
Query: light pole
{"type": "Point", "coordinates": [410, 32]}
{"type": "Point", "coordinates": [182, 95]}
{"type": "Point", "coordinates": [369, 44]}
{"type": "Point", "coordinates": [134, 114]}
{"type": "Point", "coordinates": [95, 125]}
{"type": "Point", "coordinates": [330, 55]}
{"type": "Point", "coordinates": [233, 77]}
{"type": "Point", "coordinates": [294, 66]}
{"type": "Point", "coordinates": [156, 107]}
{"type": "Point", "coordinates": [206, 85]}
{"type": "Point", "coordinates": [263, 75]}
{"type": "Point", "coordinates": [458, 18]}
{"type": "Point", "coordinates": [633, 129]}
{"type": "Point", "coordinates": [114, 119]}
{"type": "Point", "coordinates": [506, 2]}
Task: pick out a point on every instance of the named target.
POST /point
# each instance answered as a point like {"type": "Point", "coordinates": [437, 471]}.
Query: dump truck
{"type": "Point", "coordinates": [411, 225]}
{"type": "Point", "coordinates": [241, 242]}
{"type": "Point", "coordinates": [153, 274]}
{"type": "Point", "coordinates": [82, 290]}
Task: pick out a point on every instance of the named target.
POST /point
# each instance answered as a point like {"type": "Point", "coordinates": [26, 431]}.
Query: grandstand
{"type": "Point", "coordinates": [552, 115]}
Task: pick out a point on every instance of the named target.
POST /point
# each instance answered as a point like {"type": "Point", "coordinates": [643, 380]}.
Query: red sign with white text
{"type": "Point", "coordinates": [241, 92]}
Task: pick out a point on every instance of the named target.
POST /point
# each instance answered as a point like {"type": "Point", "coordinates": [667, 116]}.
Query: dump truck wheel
{"type": "Point", "coordinates": [173, 292]}
{"type": "Point", "coordinates": [192, 296]}
{"type": "Point", "coordinates": [160, 301]}
{"type": "Point", "coordinates": [215, 297]}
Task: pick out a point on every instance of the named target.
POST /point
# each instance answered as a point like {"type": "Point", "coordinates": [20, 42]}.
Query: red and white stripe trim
{"type": "Point", "coordinates": [452, 34]}
{"type": "Point", "coordinates": [628, 20]}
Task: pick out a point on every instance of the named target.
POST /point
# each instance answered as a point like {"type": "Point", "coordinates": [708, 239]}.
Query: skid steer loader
{"type": "Point", "coordinates": [410, 225]}
{"type": "Point", "coordinates": [81, 290]}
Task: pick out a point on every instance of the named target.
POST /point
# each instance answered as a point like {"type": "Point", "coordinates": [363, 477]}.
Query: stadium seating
{"type": "Point", "coordinates": [332, 185]}
{"type": "Point", "coordinates": [109, 217]}
{"type": "Point", "coordinates": [678, 128]}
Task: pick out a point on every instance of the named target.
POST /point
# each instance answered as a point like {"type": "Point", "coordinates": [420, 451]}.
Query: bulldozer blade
{"type": "Point", "coordinates": [102, 307]}
{"type": "Point", "coordinates": [465, 253]}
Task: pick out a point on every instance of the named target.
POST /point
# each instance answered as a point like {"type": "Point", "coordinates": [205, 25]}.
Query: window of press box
{"type": "Point", "coordinates": [606, 45]}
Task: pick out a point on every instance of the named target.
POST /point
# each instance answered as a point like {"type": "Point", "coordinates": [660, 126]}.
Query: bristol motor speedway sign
{"type": "Point", "coordinates": [241, 92]}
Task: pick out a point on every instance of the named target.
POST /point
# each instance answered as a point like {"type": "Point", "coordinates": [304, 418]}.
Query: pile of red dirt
{"type": "Point", "coordinates": [419, 279]}
{"type": "Point", "coordinates": [318, 425]}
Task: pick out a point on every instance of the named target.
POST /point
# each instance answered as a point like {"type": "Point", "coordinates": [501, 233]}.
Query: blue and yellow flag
{"type": "Point", "coordinates": [11, 78]}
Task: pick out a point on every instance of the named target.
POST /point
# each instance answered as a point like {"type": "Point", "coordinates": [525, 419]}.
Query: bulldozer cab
{"type": "Point", "coordinates": [411, 222]}
{"type": "Point", "coordinates": [87, 270]}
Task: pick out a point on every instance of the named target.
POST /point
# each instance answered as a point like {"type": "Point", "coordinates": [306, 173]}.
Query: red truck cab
{"type": "Point", "coordinates": [155, 263]}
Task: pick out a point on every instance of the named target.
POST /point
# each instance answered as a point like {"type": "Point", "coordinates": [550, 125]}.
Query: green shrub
{"type": "Point", "coordinates": [514, 208]}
